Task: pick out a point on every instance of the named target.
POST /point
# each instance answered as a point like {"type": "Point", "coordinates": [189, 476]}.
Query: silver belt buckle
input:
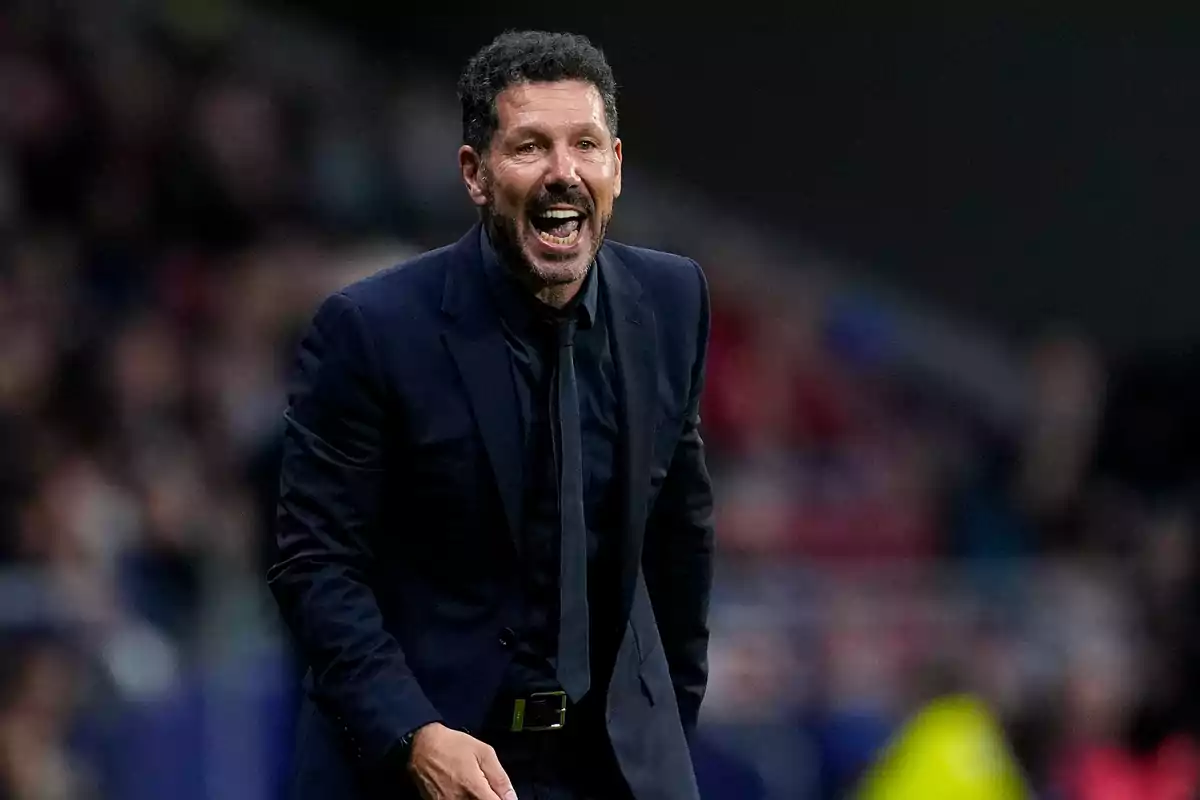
{"type": "Point", "coordinates": [518, 722]}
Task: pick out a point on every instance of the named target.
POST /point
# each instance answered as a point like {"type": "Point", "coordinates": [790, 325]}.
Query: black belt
{"type": "Point", "coordinates": [540, 711]}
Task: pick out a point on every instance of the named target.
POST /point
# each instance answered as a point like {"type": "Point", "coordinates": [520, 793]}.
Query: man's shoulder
{"type": "Point", "coordinates": [412, 284]}
{"type": "Point", "coordinates": [671, 280]}
{"type": "Point", "coordinates": [654, 264]}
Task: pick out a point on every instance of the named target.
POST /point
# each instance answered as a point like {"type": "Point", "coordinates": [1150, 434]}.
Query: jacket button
{"type": "Point", "coordinates": [508, 638]}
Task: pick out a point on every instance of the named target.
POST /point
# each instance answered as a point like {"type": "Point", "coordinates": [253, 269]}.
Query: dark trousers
{"type": "Point", "coordinates": [574, 763]}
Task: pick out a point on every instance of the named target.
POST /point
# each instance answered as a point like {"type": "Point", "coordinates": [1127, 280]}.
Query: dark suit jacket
{"type": "Point", "coordinates": [400, 506]}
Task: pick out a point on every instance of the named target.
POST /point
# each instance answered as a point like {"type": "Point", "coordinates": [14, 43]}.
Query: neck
{"type": "Point", "coordinates": [555, 295]}
{"type": "Point", "coordinates": [558, 295]}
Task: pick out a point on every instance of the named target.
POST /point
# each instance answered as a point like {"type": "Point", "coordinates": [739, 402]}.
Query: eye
{"type": "Point", "coordinates": [526, 148]}
{"type": "Point", "coordinates": [588, 144]}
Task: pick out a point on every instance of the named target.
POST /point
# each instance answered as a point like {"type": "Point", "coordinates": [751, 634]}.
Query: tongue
{"type": "Point", "coordinates": [560, 228]}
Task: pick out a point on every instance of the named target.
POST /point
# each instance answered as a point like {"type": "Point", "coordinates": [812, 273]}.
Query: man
{"type": "Point", "coordinates": [495, 526]}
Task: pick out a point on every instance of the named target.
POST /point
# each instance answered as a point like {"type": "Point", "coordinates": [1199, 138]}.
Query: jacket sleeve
{"type": "Point", "coordinates": [330, 486]}
{"type": "Point", "coordinates": [678, 555]}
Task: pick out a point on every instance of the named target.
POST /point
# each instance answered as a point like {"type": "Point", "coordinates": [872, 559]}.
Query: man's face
{"type": "Point", "coordinates": [548, 179]}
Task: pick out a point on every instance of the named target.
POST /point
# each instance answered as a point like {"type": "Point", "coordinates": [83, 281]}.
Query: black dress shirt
{"type": "Point", "coordinates": [530, 330]}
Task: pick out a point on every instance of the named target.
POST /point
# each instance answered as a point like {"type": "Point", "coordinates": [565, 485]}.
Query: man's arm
{"type": "Point", "coordinates": [330, 488]}
{"type": "Point", "coordinates": [679, 547]}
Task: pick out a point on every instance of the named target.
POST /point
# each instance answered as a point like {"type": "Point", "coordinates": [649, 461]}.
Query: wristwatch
{"type": "Point", "coordinates": [402, 749]}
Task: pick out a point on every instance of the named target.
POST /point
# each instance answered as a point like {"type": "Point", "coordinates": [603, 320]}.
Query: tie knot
{"type": "Point", "coordinates": [566, 331]}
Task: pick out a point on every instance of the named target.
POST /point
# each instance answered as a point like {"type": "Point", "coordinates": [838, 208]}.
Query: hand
{"type": "Point", "coordinates": [450, 765]}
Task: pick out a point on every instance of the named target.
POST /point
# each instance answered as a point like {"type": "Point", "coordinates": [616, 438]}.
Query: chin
{"type": "Point", "coordinates": [558, 268]}
{"type": "Point", "coordinates": [558, 273]}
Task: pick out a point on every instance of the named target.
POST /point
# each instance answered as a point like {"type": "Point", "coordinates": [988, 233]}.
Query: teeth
{"type": "Point", "coordinates": [561, 213]}
{"type": "Point", "coordinates": [561, 241]}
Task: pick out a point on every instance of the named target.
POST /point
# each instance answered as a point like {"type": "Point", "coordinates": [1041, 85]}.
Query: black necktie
{"type": "Point", "coordinates": [574, 662]}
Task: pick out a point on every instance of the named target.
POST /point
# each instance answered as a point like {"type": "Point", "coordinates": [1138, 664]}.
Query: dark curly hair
{"type": "Point", "coordinates": [527, 57]}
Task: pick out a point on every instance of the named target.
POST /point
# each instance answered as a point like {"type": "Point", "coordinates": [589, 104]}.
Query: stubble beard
{"type": "Point", "coordinates": [505, 235]}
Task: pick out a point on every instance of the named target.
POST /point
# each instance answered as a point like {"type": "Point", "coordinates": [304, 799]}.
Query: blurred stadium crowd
{"type": "Point", "coordinates": [902, 517]}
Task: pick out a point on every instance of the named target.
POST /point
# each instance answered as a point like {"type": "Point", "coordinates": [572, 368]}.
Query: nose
{"type": "Point", "coordinates": [562, 170]}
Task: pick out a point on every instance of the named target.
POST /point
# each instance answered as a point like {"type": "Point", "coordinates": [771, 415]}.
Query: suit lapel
{"type": "Point", "coordinates": [636, 350]}
{"type": "Point", "coordinates": [475, 340]}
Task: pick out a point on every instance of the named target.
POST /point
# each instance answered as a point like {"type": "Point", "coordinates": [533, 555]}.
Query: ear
{"type": "Point", "coordinates": [470, 162]}
{"type": "Point", "coordinates": [617, 178]}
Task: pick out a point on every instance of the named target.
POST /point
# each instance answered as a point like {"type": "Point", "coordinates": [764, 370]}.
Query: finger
{"type": "Point", "coordinates": [497, 778]}
{"type": "Point", "coordinates": [480, 790]}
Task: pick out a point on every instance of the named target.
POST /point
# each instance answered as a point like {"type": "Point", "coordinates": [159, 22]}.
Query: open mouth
{"type": "Point", "coordinates": [558, 227]}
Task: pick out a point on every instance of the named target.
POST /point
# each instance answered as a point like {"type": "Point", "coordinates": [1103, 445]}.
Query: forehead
{"type": "Point", "coordinates": [553, 104]}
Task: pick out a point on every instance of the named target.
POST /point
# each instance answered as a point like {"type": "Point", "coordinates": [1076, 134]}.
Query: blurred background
{"type": "Point", "coordinates": [951, 406]}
